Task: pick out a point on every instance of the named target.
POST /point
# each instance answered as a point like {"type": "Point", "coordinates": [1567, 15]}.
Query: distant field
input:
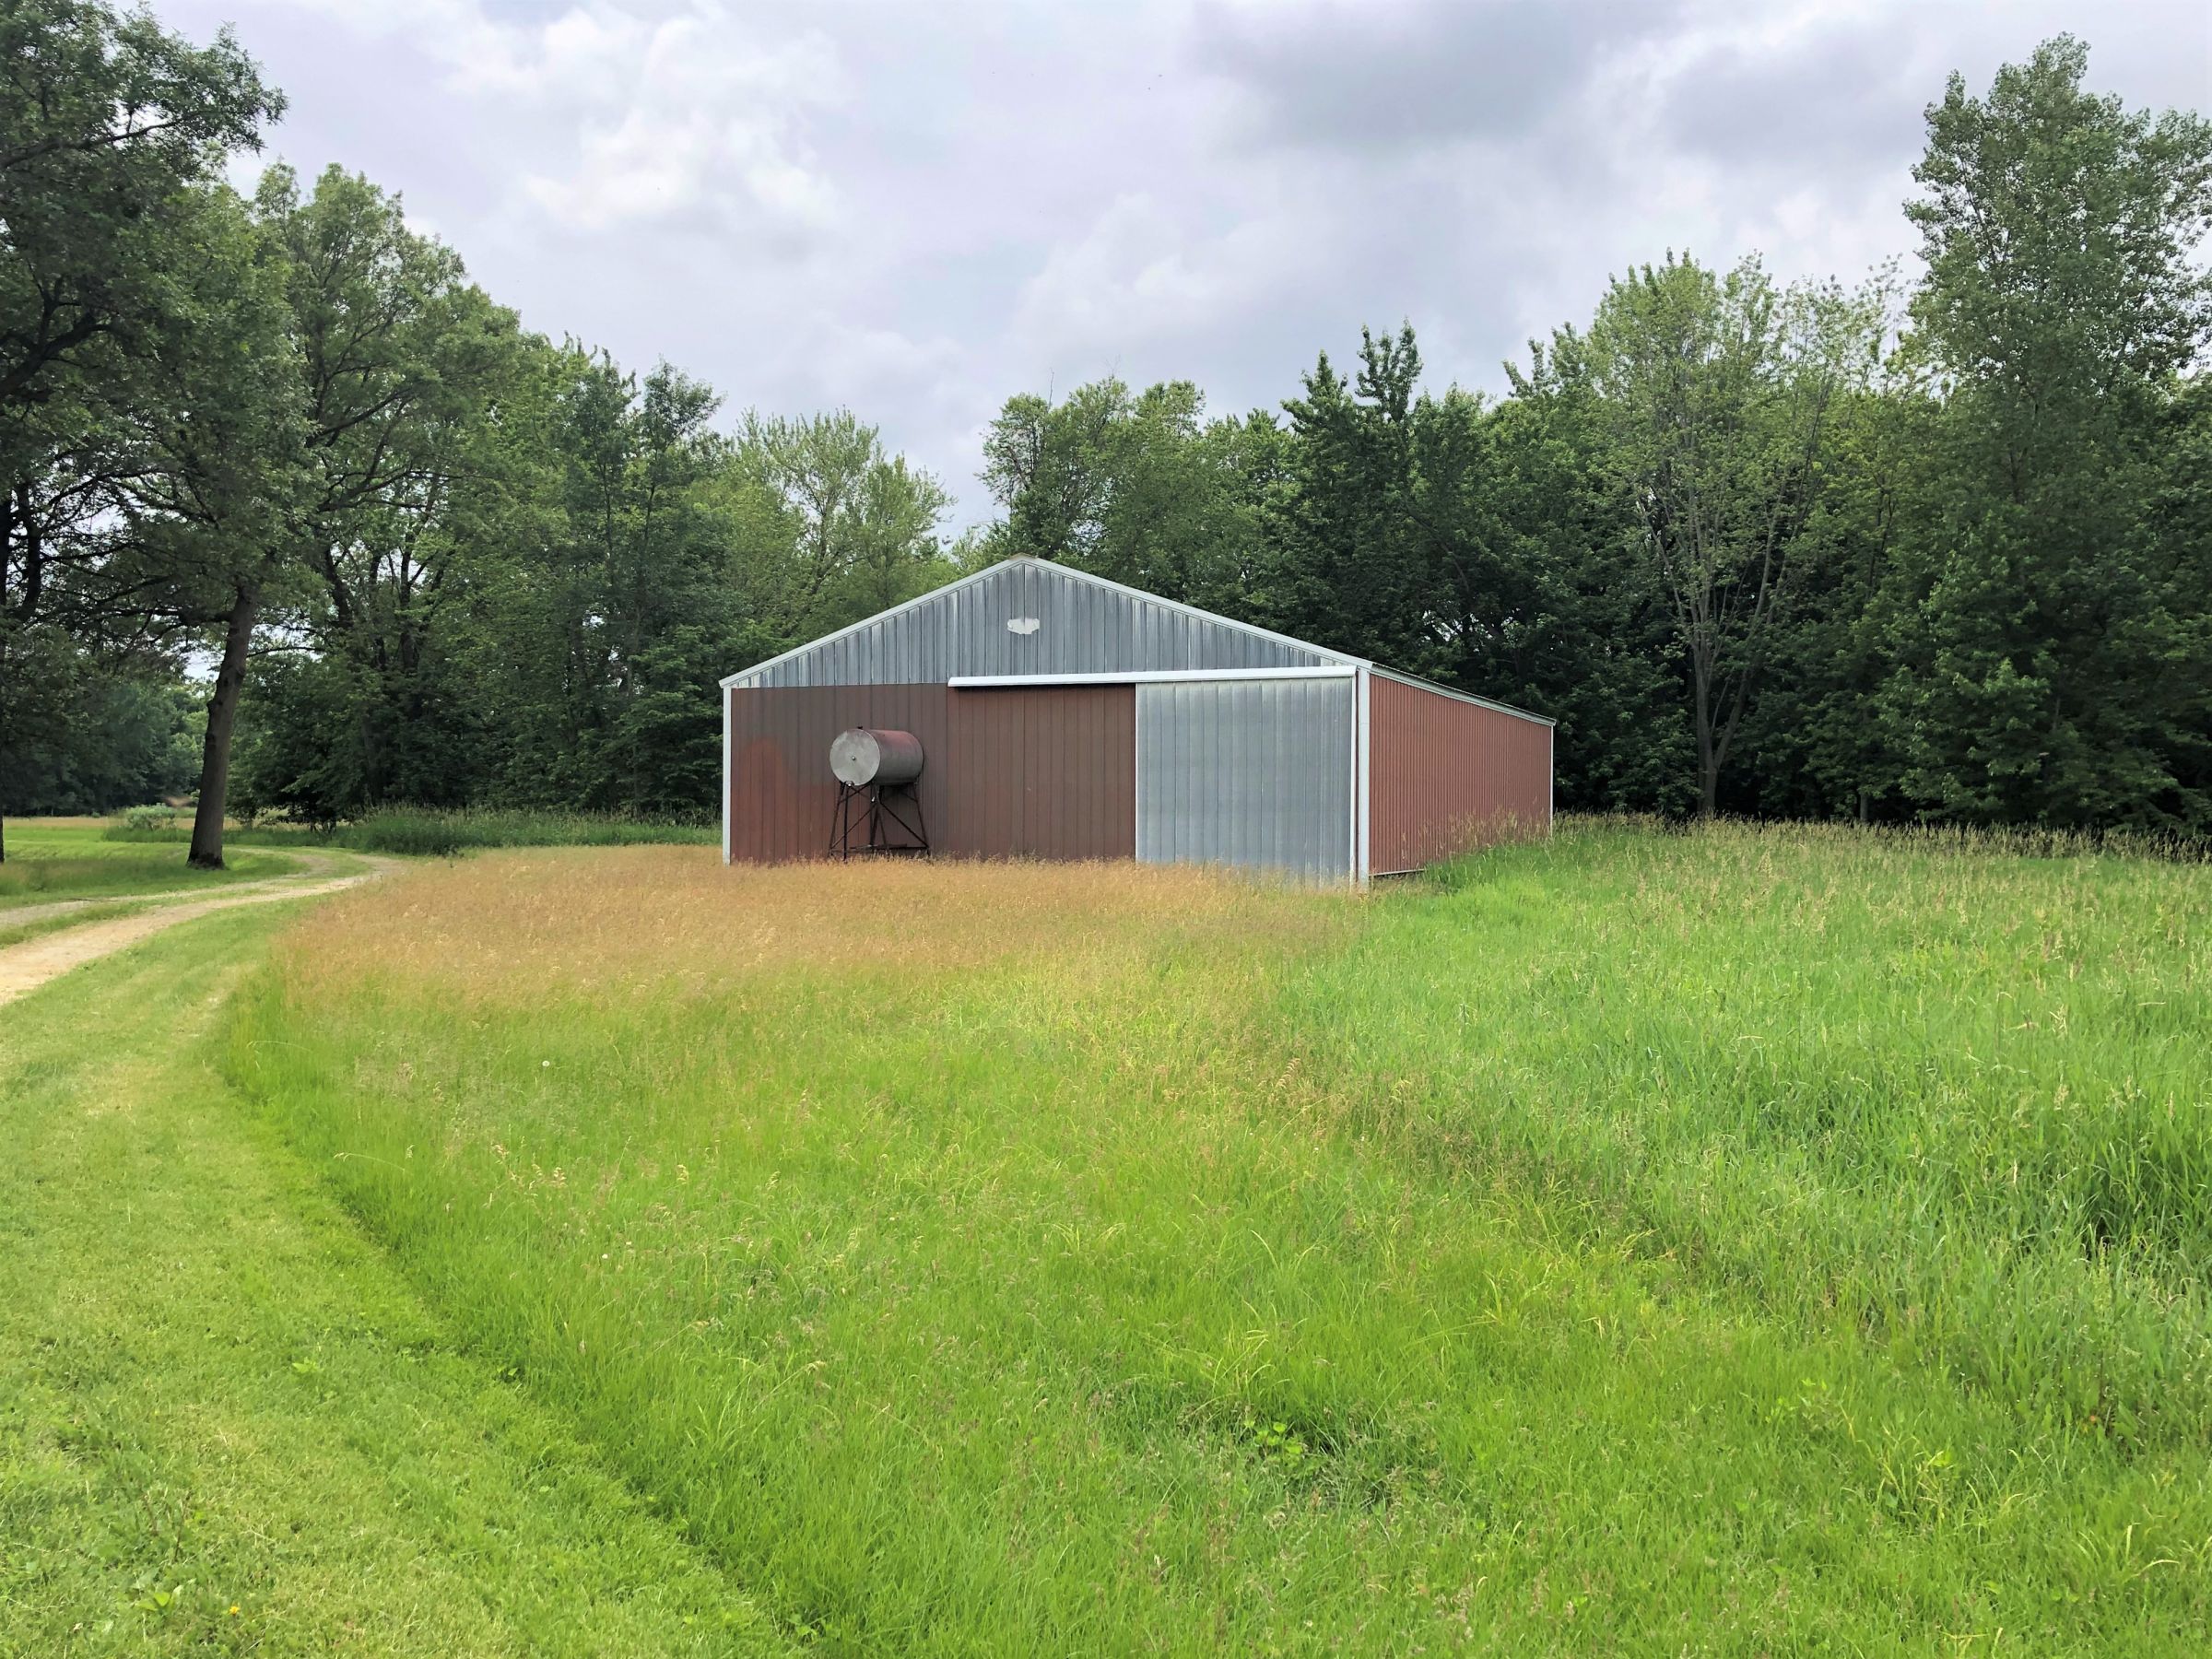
{"type": "Point", "coordinates": [1739, 1240]}
{"type": "Point", "coordinates": [51, 859]}
{"type": "Point", "coordinates": [428, 831]}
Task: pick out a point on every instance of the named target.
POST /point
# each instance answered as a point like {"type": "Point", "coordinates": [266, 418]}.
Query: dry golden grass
{"type": "Point", "coordinates": [516, 927]}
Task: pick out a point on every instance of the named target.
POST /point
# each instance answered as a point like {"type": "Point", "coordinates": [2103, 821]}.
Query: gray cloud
{"type": "Point", "coordinates": [1839, 97]}
{"type": "Point", "coordinates": [1378, 78]}
{"type": "Point", "coordinates": [919, 210]}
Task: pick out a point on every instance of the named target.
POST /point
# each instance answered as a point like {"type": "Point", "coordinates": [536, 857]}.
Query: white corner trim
{"type": "Point", "coordinates": [1137, 778]}
{"type": "Point", "coordinates": [1145, 676]}
{"type": "Point", "coordinates": [729, 780]}
{"type": "Point", "coordinates": [1363, 777]}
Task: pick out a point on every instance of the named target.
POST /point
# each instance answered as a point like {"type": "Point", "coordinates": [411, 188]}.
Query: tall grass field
{"type": "Point", "coordinates": [1740, 1241]}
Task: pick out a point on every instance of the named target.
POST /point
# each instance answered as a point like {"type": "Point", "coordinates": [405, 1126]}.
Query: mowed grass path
{"type": "Point", "coordinates": [227, 1425]}
{"type": "Point", "coordinates": [76, 859]}
{"type": "Point", "coordinates": [1727, 1242]}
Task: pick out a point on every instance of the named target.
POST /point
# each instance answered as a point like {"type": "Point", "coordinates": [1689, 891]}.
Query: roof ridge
{"type": "Point", "coordinates": [1193, 610]}
{"type": "Point", "coordinates": [973, 577]}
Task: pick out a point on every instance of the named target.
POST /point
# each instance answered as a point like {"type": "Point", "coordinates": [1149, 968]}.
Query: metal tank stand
{"type": "Point", "coordinates": [865, 809]}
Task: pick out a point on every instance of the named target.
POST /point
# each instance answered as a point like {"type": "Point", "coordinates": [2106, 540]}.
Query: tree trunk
{"type": "Point", "coordinates": [1709, 761]}
{"type": "Point", "coordinates": [222, 716]}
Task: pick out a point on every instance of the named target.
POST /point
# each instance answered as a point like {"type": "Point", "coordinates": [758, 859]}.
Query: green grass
{"type": "Point", "coordinates": [49, 862]}
{"type": "Point", "coordinates": [425, 832]}
{"type": "Point", "coordinates": [227, 1425]}
{"type": "Point", "coordinates": [1738, 1242]}
{"type": "Point", "coordinates": [1955, 1099]}
{"type": "Point", "coordinates": [83, 859]}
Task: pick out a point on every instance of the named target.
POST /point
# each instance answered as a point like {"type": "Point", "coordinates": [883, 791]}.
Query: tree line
{"type": "Point", "coordinates": [1809, 550]}
{"type": "Point", "coordinates": [1885, 552]}
{"type": "Point", "coordinates": [426, 555]}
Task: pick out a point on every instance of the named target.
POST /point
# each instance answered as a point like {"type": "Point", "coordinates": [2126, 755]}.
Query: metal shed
{"type": "Point", "coordinates": [1063, 716]}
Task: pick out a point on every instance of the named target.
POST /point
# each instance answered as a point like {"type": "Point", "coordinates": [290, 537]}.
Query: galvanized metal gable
{"type": "Point", "coordinates": [1028, 617]}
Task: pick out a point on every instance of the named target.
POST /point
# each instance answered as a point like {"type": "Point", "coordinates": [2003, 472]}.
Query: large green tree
{"type": "Point", "coordinates": [403, 365]}
{"type": "Point", "coordinates": [2053, 668]}
{"type": "Point", "coordinates": [1343, 564]}
{"type": "Point", "coordinates": [112, 131]}
{"type": "Point", "coordinates": [106, 122]}
{"type": "Point", "coordinates": [1563, 614]}
{"type": "Point", "coordinates": [1715, 394]}
{"type": "Point", "coordinates": [210, 515]}
{"type": "Point", "coordinates": [864, 523]}
{"type": "Point", "coordinates": [622, 599]}
{"type": "Point", "coordinates": [1136, 486]}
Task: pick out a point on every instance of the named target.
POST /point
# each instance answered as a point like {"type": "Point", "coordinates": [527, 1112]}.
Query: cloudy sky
{"type": "Point", "coordinates": [915, 210]}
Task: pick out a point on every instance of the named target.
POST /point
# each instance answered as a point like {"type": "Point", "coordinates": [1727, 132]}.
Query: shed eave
{"type": "Point", "coordinates": [1416, 681]}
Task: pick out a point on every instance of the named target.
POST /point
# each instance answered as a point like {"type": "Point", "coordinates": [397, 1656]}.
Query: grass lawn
{"type": "Point", "coordinates": [227, 1425]}
{"type": "Point", "coordinates": [428, 831]}
{"type": "Point", "coordinates": [75, 860]}
{"type": "Point", "coordinates": [1732, 1242]}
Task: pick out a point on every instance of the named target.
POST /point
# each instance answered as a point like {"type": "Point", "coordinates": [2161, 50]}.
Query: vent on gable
{"type": "Point", "coordinates": [1021, 625]}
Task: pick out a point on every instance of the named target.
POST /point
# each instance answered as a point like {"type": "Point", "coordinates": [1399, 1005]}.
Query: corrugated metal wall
{"type": "Point", "coordinates": [781, 791]}
{"type": "Point", "coordinates": [1252, 772]}
{"type": "Point", "coordinates": [1446, 775]}
{"type": "Point", "coordinates": [1082, 627]}
{"type": "Point", "coordinates": [1045, 772]}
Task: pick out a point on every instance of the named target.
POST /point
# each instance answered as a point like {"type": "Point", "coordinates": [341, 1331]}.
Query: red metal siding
{"type": "Point", "coordinates": [1445, 775]}
{"type": "Point", "coordinates": [1048, 771]}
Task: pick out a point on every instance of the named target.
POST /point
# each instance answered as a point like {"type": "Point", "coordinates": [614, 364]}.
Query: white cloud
{"type": "Point", "coordinates": [682, 118]}
{"type": "Point", "coordinates": [917, 210]}
{"type": "Point", "coordinates": [1131, 274]}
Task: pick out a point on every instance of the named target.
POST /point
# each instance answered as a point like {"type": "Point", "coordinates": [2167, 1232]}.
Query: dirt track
{"type": "Point", "coordinates": [25, 967]}
{"type": "Point", "coordinates": [306, 864]}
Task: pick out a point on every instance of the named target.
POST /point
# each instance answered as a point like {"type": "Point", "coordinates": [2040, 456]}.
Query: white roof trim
{"type": "Point", "coordinates": [1419, 684]}
{"type": "Point", "coordinates": [1151, 676]}
{"type": "Point", "coordinates": [742, 674]}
